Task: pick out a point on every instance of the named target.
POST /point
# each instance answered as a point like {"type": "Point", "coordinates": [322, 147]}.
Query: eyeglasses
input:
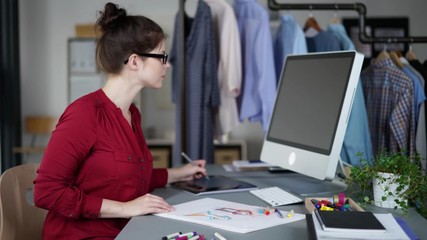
{"type": "Point", "coordinates": [162, 56]}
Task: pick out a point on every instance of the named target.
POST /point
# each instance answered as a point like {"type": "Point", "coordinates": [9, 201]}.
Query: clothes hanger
{"type": "Point", "coordinates": [311, 22]}
{"type": "Point", "coordinates": [410, 55]}
{"type": "Point", "coordinates": [336, 19]}
{"type": "Point", "coordinates": [395, 57]}
{"type": "Point", "coordinates": [383, 54]}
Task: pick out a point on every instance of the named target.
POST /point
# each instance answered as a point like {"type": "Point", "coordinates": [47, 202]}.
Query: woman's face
{"type": "Point", "coordinates": [154, 70]}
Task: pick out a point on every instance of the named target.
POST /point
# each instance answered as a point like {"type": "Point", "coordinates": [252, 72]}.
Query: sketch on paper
{"type": "Point", "coordinates": [231, 216]}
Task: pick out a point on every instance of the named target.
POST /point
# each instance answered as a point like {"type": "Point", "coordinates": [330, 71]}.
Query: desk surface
{"type": "Point", "coordinates": [153, 227]}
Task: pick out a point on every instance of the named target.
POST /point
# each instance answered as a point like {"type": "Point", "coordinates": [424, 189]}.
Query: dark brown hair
{"type": "Point", "coordinates": [122, 35]}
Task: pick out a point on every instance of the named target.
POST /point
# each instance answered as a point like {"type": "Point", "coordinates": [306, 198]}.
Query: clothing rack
{"type": "Point", "coordinates": [360, 8]}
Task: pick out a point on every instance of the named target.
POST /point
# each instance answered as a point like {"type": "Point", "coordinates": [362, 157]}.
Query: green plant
{"type": "Point", "coordinates": [412, 184]}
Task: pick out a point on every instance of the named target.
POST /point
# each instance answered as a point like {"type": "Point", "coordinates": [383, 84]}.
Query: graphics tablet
{"type": "Point", "coordinates": [215, 184]}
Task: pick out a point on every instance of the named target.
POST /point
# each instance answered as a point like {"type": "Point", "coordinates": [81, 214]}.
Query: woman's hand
{"type": "Point", "coordinates": [147, 204]}
{"type": "Point", "coordinates": [188, 171]}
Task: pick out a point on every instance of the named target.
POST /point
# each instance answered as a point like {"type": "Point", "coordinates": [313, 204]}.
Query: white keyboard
{"type": "Point", "coordinates": [276, 196]}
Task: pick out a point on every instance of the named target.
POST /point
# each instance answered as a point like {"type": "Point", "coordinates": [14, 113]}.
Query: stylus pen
{"type": "Point", "coordinates": [191, 161]}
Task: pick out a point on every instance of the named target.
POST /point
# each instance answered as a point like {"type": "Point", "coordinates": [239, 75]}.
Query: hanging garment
{"type": "Point", "coordinates": [389, 97]}
{"type": "Point", "coordinates": [338, 30]}
{"type": "Point", "coordinates": [256, 101]}
{"type": "Point", "coordinates": [417, 65]}
{"type": "Point", "coordinates": [421, 69]}
{"type": "Point", "coordinates": [322, 42]}
{"type": "Point", "coordinates": [419, 95]}
{"type": "Point", "coordinates": [201, 85]}
{"type": "Point", "coordinates": [229, 65]}
{"type": "Point", "coordinates": [289, 39]}
{"type": "Point", "coordinates": [317, 39]}
{"type": "Point", "coordinates": [357, 137]}
{"type": "Point", "coordinates": [420, 124]}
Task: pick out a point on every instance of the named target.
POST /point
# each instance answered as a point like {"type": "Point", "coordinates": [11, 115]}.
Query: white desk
{"type": "Point", "coordinates": [153, 227]}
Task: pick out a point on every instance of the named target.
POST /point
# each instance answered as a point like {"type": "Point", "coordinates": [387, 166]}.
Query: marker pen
{"type": "Point", "coordinates": [279, 213]}
{"type": "Point", "coordinates": [219, 236]}
{"type": "Point", "coordinates": [195, 237]}
{"type": "Point", "coordinates": [181, 238]}
{"type": "Point", "coordinates": [188, 234]}
{"type": "Point", "coordinates": [185, 236]}
{"type": "Point", "coordinates": [172, 235]}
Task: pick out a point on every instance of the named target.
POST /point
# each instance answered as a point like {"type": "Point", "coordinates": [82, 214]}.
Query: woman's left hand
{"type": "Point", "coordinates": [188, 171]}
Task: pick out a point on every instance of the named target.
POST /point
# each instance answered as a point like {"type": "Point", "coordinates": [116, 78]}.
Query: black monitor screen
{"type": "Point", "coordinates": [309, 100]}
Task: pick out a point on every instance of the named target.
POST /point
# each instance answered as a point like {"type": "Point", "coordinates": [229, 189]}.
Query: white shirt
{"type": "Point", "coordinates": [229, 66]}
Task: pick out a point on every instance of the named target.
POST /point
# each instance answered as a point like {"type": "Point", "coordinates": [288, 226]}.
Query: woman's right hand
{"type": "Point", "coordinates": [147, 204]}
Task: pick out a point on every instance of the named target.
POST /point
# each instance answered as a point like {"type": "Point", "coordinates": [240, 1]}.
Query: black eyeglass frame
{"type": "Point", "coordinates": [163, 56]}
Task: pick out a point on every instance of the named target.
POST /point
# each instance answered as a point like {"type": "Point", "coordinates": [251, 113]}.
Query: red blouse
{"type": "Point", "coordinates": [93, 154]}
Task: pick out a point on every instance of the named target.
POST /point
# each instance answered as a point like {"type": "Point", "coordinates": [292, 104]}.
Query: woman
{"type": "Point", "coordinates": [97, 172]}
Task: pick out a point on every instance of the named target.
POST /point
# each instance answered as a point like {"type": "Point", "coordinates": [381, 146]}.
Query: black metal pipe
{"type": "Point", "coordinates": [360, 8]}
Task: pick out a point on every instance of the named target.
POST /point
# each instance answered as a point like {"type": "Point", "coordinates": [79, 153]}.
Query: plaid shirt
{"type": "Point", "coordinates": [389, 95]}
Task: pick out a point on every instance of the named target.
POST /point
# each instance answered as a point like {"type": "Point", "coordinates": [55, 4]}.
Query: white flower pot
{"type": "Point", "coordinates": [381, 189]}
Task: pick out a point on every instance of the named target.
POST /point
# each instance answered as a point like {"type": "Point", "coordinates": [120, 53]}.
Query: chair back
{"type": "Point", "coordinates": [39, 124]}
{"type": "Point", "coordinates": [20, 219]}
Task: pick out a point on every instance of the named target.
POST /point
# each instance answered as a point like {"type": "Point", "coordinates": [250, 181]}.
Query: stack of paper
{"type": "Point", "coordinates": [250, 165]}
{"type": "Point", "coordinates": [392, 229]}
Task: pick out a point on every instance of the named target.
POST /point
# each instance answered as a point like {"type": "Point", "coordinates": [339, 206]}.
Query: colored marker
{"type": "Point", "coordinates": [188, 235]}
{"type": "Point", "coordinates": [219, 236]}
{"type": "Point", "coordinates": [194, 237]}
{"type": "Point", "coordinates": [291, 214]}
{"type": "Point", "coordinates": [181, 238]}
{"type": "Point", "coordinates": [172, 235]}
{"type": "Point", "coordinates": [278, 213]}
{"type": "Point", "coordinates": [191, 161]}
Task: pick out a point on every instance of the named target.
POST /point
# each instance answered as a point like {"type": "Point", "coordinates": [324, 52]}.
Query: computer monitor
{"type": "Point", "coordinates": [312, 108]}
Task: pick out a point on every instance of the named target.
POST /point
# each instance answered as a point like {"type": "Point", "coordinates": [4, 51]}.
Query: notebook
{"type": "Point", "coordinates": [393, 230]}
{"type": "Point", "coordinates": [215, 184]}
{"type": "Point", "coordinates": [349, 221]}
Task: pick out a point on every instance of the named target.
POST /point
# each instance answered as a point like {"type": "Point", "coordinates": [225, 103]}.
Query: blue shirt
{"type": "Point", "coordinates": [419, 95]}
{"type": "Point", "coordinates": [357, 138]}
{"type": "Point", "coordinates": [259, 78]}
{"type": "Point", "coordinates": [289, 39]}
{"type": "Point", "coordinates": [338, 30]}
{"type": "Point", "coordinates": [322, 42]}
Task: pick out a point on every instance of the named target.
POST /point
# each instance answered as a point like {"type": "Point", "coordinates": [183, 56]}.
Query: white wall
{"type": "Point", "coordinates": [45, 26]}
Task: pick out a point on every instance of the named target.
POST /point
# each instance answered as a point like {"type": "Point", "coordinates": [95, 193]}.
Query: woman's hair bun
{"type": "Point", "coordinates": [110, 17]}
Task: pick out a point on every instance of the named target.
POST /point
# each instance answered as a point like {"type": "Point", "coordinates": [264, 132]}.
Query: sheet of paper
{"type": "Point", "coordinates": [230, 216]}
{"type": "Point", "coordinates": [393, 230]}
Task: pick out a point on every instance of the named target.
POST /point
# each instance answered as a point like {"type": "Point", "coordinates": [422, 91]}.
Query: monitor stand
{"type": "Point", "coordinates": [311, 187]}
{"type": "Point", "coordinates": [307, 186]}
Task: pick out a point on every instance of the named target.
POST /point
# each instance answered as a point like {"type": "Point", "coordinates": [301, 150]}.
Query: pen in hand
{"type": "Point", "coordinates": [191, 161]}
